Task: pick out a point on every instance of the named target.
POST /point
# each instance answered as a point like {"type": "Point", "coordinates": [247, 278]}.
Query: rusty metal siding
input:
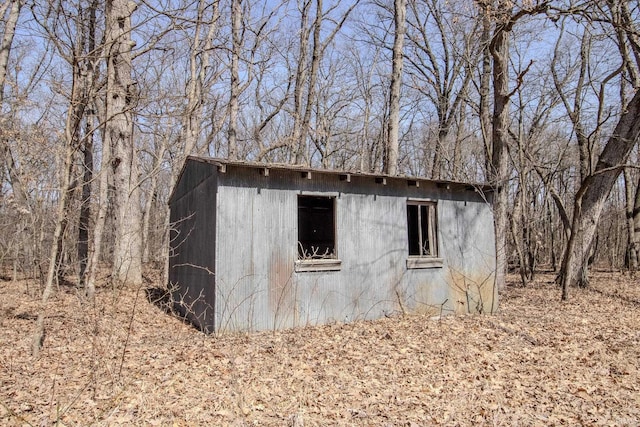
{"type": "Point", "coordinates": [191, 258]}
{"type": "Point", "coordinates": [255, 255]}
{"type": "Point", "coordinates": [467, 232]}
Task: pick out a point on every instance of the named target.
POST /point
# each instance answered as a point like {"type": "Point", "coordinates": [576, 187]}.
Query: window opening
{"type": "Point", "coordinates": [316, 227]}
{"type": "Point", "coordinates": [421, 227]}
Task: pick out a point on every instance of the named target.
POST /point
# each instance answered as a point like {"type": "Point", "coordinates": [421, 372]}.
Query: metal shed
{"type": "Point", "coordinates": [256, 246]}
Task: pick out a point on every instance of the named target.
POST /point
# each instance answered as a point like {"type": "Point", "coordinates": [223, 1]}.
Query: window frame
{"type": "Point", "coordinates": [329, 262]}
{"type": "Point", "coordinates": [433, 258]}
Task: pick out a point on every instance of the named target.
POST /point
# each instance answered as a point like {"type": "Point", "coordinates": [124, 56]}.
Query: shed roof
{"type": "Point", "coordinates": [224, 164]}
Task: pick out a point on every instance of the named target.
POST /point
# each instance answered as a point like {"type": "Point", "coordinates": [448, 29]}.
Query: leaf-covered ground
{"type": "Point", "coordinates": [124, 361]}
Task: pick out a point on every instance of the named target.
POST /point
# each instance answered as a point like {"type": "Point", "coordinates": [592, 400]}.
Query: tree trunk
{"type": "Point", "coordinates": [485, 91]}
{"type": "Point", "coordinates": [87, 150]}
{"type": "Point", "coordinates": [594, 191]}
{"type": "Point", "coordinates": [457, 157]}
{"type": "Point", "coordinates": [316, 53]}
{"type": "Point", "coordinates": [71, 136]}
{"type": "Point", "coordinates": [635, 215]}
{"type": "Point", "coordinates": [19, 192]}
{"type": "Point", "coordinates": [7, 42]}
{"type": "Point", "coordinates": [85, 206]}
{"type": "Point", "coordinates": [75, 112]}
{"type": "Point", "coordinates": [518, 238]}
{"type": "Point", "coordinates": [198, 64]}
{"type": "Point", "coordinates": [300, 78]}
{"type": "Point", "coordinates": [393, 132]}
{"type": "Point", "coordinates": [436, 169]}
{"type": "Point", "coordinates": [552, 238]}
{"type": "Point", "coordinates": [120, 96]}
{"type": "Point", "coordinates": [631, 256]}
{"type": "Point", "coordinates": [95, 250]}
{"type": "Point", "coordinates": [152, 198]}
{"type": "Point", "coordinates": [61, 215]}
{"type": "Point", "coordinates": [236, 23]}
{"type": "Point", "coordinates": [498, 173]}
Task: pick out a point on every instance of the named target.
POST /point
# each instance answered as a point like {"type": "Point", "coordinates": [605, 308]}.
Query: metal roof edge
{"type": "Point", "coordinates": [223, 163]}
{"type": "Point", "coordinates": [483, 187]}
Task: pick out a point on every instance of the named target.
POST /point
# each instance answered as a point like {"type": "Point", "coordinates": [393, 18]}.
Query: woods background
{"type": "Point", "coordinates": [102, 100]}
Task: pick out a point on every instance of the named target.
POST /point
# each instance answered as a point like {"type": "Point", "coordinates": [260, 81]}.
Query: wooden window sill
{"type": "Point", "coordinates": [318, 265]}
{"type": "Point", "coordinates": [424, 262]}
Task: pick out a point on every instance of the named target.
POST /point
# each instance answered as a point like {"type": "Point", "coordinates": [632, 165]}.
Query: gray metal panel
{"type": "Point", "coordinates": [255, 253]}
{"type": "Point", "coordinates": [235, 245]}
{"type": "Point", "coordinates": [193, 232]}
{"type": "Point", "coordinates": [193, 173]}
{"type": "Point", "coordinates": [257, 287]}
{"type": "Point", "coordinates": [467, 231]}
{"type": "Point", "coordinates": [465, 283]}
{"type": "Point", "coordinates": [371, 246]}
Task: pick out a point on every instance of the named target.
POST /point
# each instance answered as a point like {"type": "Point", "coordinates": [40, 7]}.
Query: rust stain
{"type": "Point", "coordinates": [460, 293]}
{"type": "Point", "coordinates": [471, 293]}
{"type": "Point", "coordinates": [282, 294]}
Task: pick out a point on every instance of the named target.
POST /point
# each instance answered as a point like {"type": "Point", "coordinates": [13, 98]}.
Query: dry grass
{"type": "Point", "coordinates": [124, 361]}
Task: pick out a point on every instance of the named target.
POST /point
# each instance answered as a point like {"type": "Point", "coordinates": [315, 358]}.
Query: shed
{"type": "Point", "coordinates": [256, 246]}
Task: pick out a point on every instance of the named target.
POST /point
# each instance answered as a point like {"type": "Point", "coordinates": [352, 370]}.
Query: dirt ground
{"type": "Point", "coordinates": [124, 361]}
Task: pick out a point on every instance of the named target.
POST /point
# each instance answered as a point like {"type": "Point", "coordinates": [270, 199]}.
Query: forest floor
{"type": "Point", "coordinates": [124, 361]}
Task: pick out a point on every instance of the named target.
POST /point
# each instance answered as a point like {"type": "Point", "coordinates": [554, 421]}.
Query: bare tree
{"type": "Point", "coordinates": [87, 165]}
{"type": "Point", "coordinates": [632, 213]}
{"type": "Point", "coordinates": [441, 51]}
{"type": "Point", "coordinates": [370, 146]}
{"type": "Point", "coordinates": [534, 106]}
{"type": "Point", "coordinates": [10, 12]}
{"type": "Point", "coordinates": [594, 189]}
{"type": "Point", "coordinates": [307, 69]}
{"type": "Point", "coordinates": [499, 173]}
{"type": "Point", "coordinates": [73, 51]}
{"type": "Point", "coordinates": [503, 16]}
{"type": "Point", "coordinates": [399, 18]}
{"type": "Point", "coordinates": [236, 46]}
{"type": "Point", "coordinates": [484, 87]}
{"type": "Point", "coordinates": [72, 30]}
{"type": "Point", "coordinates": [121, 96]}
{"type": "Point", "coordinates": [630, 77]}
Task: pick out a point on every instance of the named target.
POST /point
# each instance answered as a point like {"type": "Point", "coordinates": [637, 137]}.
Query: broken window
{"type": "Point", "coordinates": [316, 227]}
{"type": "Point", "coordinates": [421, 226]}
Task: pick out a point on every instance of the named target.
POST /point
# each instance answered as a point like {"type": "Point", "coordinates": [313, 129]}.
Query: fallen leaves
{"type": "Point", "coordinates": [539, 361]}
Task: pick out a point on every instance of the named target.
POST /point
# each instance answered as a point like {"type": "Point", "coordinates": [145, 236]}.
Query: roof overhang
{"type": "Point", "coordinates": [264, 169]}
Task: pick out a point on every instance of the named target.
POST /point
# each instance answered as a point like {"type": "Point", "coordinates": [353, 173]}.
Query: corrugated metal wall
{"type": "Point", "coordinates": [192, 254]}
{"type": "Point", "coordinates": [257, 287]}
